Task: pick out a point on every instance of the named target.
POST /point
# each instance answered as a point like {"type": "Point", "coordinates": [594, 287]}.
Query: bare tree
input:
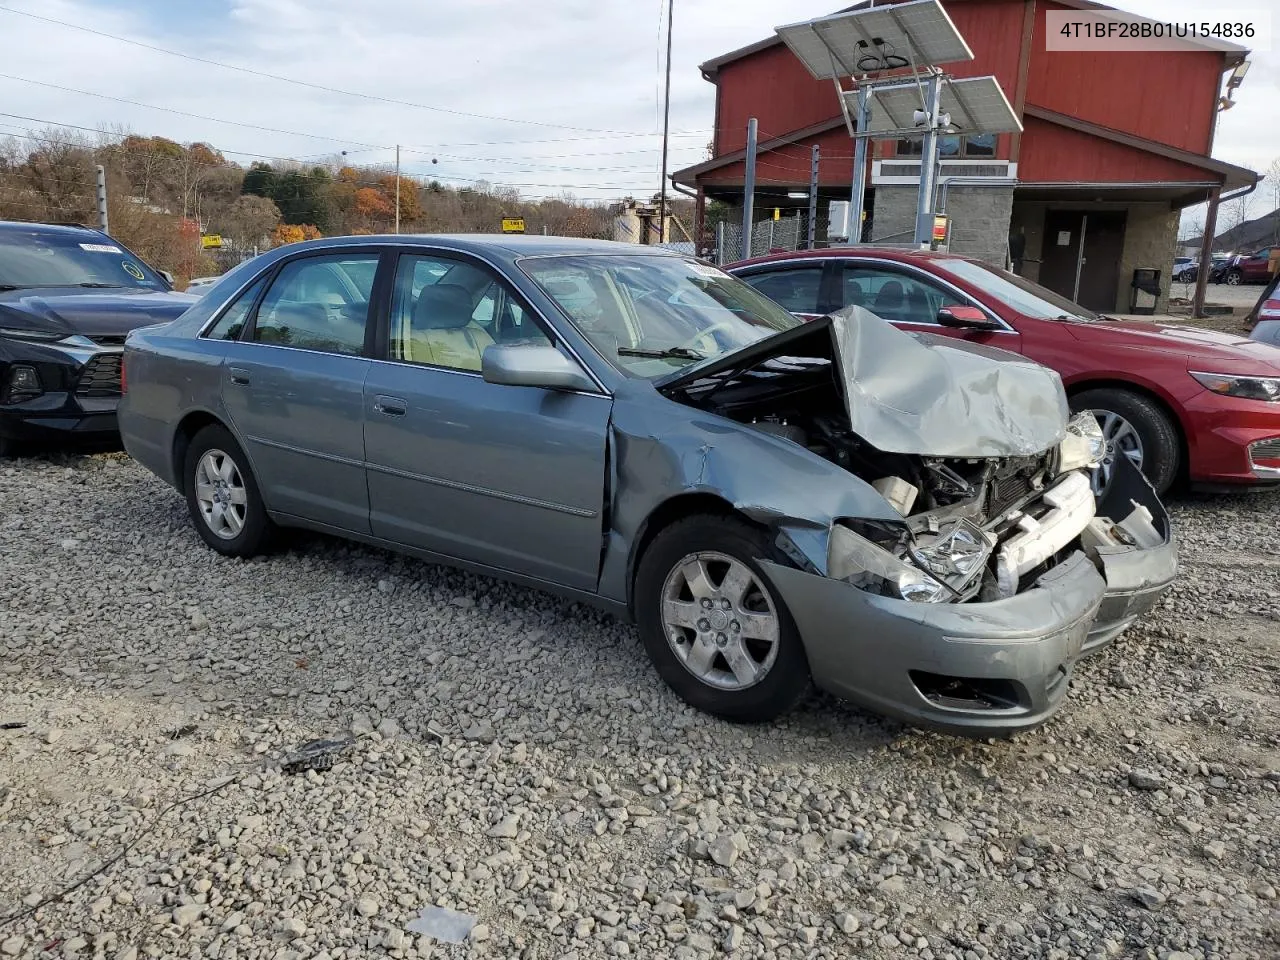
{"type": "Point", "coordinates": [1235, 214]}
{"type": "Point", "coordinates": [1273, 181]}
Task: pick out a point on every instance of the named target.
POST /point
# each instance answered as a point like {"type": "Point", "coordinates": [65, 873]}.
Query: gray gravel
{"type": "Point", "coordinates": [518, 761]}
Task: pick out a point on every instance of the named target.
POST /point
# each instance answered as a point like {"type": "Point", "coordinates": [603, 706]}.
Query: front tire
{"type": "Point", "coordinates": [1136, 427]}
{"type": "Point", "coordinates": [1235, 278]}
{"type": "Point", "coordinates": [222, 495]}
{"type": "Point", "coordinates": [716, 629]}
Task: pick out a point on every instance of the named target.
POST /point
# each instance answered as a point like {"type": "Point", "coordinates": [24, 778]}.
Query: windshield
{"type": "Point", "coordinates": [1022, 295]}
{"type": "Point", "coordinates": [652, 314]}
{"type": "Point", "coordinates": [35, 258]}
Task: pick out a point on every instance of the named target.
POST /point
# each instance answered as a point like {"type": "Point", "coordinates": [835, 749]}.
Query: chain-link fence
{"type": "Point", "coordinates": [785, 233]}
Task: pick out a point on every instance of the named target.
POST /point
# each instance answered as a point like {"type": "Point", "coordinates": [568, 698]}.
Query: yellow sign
{"type": "Point", "coordinates": [777, 214]}
{"type": "Point", "coordinates": [212, 240]}
{"type": "Point", "coordinates": [513, 224]}
{"type": "Point", "coordinates": [940, 225]}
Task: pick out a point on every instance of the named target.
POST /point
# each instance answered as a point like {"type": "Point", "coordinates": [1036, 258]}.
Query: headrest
{"type": "Point", "coordinates": [442, 306]}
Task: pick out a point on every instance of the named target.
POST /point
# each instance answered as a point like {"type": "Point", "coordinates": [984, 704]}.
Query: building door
{"type": "Point", "coordinates": [1081, 256]}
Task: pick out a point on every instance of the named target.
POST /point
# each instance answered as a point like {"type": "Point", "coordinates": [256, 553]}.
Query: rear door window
{"type": "Point", "coordinates": [795, 289]}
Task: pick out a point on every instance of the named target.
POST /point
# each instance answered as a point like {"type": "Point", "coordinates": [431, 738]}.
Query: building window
{"type": "Point", "coordinates": [952, 147]}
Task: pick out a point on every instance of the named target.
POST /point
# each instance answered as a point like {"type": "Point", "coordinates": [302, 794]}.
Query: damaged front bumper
{"type": "Point", "coordinates": [981, 668]}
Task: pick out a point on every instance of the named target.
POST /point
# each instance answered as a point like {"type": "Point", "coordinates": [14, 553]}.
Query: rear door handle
{"type": "Point", "coordinates": [390, 406]}
{"type": "Point", "coordinates": [239, 375]}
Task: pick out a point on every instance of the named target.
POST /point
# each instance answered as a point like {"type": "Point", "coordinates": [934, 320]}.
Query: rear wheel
{"type": "Point", "coordinates": [222, 495]}
{"type": "Point", "coordinates": [1135, 427]}
{"type": "Point", "coordinates": [714, 626]}
{"type": "Point", "coordinates": [1234, 278]}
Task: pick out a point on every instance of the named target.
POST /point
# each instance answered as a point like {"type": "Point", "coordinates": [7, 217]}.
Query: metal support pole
{"type": "Point", "coordinates": [813, 197]}
{"type": "Point", "coordinates": [749, 189]}
{"type": "Point", "coordinates": [397, 188]}
{"type": "Point", "coordinates": [1206, 252]}
{"type": "Point", "coordinates": [666, 125]}
{"type": "Point", "coordinates": [720, 251]}
{"type": "Point", "coordinates": [857, 195]}
{"type": "Point", "coordinates": [928, 162]}
{"type": "Point", "coordinates": [102, 199]}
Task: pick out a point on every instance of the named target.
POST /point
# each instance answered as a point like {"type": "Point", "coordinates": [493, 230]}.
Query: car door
{"type": "Point", "coordinates": [910, 299]}
{"type": "Point", "coordinates": [799, 288]}
{"type": "Point", "coordinates": [509, 477]}
{"type": "Point", "coordinates": [293, 386]}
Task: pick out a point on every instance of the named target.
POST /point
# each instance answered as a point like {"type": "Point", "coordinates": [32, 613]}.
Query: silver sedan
{"type": "Point", "coordinates": [903, 521]}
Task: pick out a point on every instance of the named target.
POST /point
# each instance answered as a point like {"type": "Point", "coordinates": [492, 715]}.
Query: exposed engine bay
{"type": "Point", "coordinates": [972, 528]}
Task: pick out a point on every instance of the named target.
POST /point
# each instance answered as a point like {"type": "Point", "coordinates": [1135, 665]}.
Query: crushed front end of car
{"type": "Point", "coordinates": [968, 609]}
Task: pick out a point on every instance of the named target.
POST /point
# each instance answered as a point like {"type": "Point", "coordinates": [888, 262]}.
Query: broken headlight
{"type": "Point", "coordinates": [956, 555]}
{"type": "Point", "coordinates": [1084, 445]}
{"type": "Point", "coordinates": [868, 566]}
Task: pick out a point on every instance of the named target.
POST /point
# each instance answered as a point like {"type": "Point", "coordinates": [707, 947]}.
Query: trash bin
{"type": "Point", "coordinates": [1145, 291]}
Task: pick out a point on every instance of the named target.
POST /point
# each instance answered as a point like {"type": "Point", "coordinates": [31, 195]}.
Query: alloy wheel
{"type": "Point", "coordinates": [720, 620]}
{"type": "Point", "coordinates": [1122, 441]}
{"type": "Point", "coordinates": [221, 494]}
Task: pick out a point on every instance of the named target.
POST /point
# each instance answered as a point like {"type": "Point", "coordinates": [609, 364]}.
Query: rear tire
{"type": "Point", "coordinates": [222, 495]}
{"type": "Point", "coordinates": [1234, 278]}
{"type": "Point", "coordinates": [1159, 437]}
{"type": "Point", "coordinates": [722, 639]}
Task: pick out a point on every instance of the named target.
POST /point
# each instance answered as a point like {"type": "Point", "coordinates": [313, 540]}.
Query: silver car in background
{"type": "Point", "coordinates": [903, 521]}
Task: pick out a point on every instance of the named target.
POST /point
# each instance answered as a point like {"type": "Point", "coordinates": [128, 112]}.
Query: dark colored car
{"type": "Point", "coordinates": [1250, 267]}
{"type": "Point", "coordinates": [1175, 400]}
{"type": "Point", "coordinates": [641, 431]}
{"type": "Point", "coordinates": [1264, 318]}
{"type": "Point", "coordinates": [68, 298]}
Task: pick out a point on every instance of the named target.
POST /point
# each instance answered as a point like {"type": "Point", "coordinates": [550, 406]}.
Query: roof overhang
{"type": "Point", "coordinates": [689, 175]}
{"type": "Point", "coordinates": [1177, 193]}
{"type": "Point", "coordinates": [1227, 175]}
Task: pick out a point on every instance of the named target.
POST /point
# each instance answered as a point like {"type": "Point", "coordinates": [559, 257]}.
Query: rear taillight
{"type": "Point", "coordinates": [1270, 310]}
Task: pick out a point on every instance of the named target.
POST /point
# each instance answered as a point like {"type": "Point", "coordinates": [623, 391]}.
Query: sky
{"type": "Point", "coordinates": [548, 97]}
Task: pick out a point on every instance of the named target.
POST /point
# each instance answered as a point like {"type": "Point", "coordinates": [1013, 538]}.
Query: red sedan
{"type": "Point", "coordinates": [1178, 401]}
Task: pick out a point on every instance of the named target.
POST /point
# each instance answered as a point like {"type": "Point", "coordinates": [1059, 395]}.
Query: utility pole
{"type": "Point", "coordinates": [813, 197]}
{"type": "Point", "coordinates": [397, 188]}
{"type": "Point", "coordinates": [666, 125]}
{"type": "Point", "coordinates": [749, 189]}
{"type": "Point", "coordinates": [102, 199]}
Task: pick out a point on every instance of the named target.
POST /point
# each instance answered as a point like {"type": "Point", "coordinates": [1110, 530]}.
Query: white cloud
{"type": "Point", "coordinates": [586, 63]}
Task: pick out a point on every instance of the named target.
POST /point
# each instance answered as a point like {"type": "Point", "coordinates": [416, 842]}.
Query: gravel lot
{"type": "Point", "coordinates": [519, 761]}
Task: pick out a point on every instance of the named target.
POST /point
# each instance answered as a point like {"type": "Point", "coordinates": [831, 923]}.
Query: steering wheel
{"type": "Point", "coordinates": [701, 336]}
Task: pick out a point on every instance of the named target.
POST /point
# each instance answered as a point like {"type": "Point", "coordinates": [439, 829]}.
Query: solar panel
{"type": "Point", "coordinates": [977, 105]}
{"type": "Point", "coordinates": [845, 44]}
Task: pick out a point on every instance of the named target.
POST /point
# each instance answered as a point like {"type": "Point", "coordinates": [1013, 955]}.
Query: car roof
{"type": "Point", "coordinates": [888, 253]}
{"type": "Point", "coordinates": [70, 229]}
{"type": "Point", "coordinates": [512, 245]}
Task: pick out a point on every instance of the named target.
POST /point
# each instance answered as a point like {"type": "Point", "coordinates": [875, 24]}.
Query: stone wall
{"type": "Point", "coordinates": [979, 218]}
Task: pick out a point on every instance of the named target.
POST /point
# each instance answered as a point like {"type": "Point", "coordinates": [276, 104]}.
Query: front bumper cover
{"type": "Point", "coordinates": [1015, 657]}
{"type": "Point", "coordinates": [60, 413]}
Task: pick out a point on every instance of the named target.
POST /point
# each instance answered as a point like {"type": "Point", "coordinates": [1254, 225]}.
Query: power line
{"type": "Point", "coordinates": [316, 86]}
{"type": "Point", "coordinates": [184, 113]}
{"type": "Point", "coordinates": [421, 180]}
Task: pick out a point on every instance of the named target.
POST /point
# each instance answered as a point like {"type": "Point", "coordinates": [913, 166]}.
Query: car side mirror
{"type": "Point", "coordinates": [168, 277]}
{"type": "Point", "coordinates": [532, 365]}
{"type": "Point", "coordinates": [970, 318]}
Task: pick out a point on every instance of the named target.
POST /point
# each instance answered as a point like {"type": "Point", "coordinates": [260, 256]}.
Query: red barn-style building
{"type": "Point", "coordinates": [1123, 139]}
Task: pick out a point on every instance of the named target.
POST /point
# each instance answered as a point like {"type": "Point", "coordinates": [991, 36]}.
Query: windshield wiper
{"type": "Point", "coordinates": [97, 286]}
{"type": "Point", "coordinates": [12, 286]}
{"type": "Point", "coordinates": [667, 353]}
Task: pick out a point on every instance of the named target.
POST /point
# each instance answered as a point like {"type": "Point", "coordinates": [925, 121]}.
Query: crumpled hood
{"type": "Point", "coordinates": [91, 313]}
{"type": "Point", "coordinates": [918, 393]}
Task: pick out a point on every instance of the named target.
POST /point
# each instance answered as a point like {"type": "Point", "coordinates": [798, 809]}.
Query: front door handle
{"type": "Point", "coordinates": [390, 406]}
{"type": "Point", "coordinates": [239, 375]}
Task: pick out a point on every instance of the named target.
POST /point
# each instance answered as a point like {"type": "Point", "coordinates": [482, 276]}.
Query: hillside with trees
{"type": "Point", "coordinates": [162, 195]}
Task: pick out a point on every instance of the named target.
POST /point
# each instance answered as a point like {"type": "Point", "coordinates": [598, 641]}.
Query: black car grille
{"type": "Point", "coordinates": [1006, 491]}
{"type": "Point", "coordinates": [100, 376]}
